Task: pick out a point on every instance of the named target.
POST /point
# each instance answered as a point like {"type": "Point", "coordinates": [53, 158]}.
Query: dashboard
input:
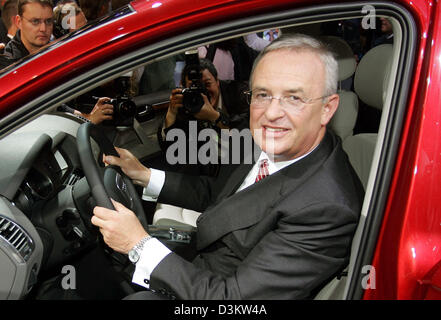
{"type": "Point", "coordinates": [45, 200]}
{"type": "Point", "coordinates": [46, 177]}
{"type": "Point", "coordinates": [40, 223]}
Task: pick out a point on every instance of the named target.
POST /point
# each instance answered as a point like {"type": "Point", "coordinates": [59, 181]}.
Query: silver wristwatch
{"type": "Point", "coordinates": [135, 252]}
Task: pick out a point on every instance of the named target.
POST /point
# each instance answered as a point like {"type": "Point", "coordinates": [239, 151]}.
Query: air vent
{"type": "Point", "coordinates": [16, 237]}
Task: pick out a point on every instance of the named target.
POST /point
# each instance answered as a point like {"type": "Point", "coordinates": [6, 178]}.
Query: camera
{"type": "Point", "coordinates": [192, 99]}
{"type": "Point", "coordinates": [124, 110]}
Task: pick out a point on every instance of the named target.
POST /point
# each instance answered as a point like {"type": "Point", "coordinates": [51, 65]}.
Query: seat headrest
{"type": "Point", "coordinates": [372, 75]}
{"type": "Point", "coordinates": [344, 55]}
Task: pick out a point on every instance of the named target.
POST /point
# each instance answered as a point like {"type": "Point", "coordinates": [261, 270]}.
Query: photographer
{"type": "Point", "coordinates": [102, 111]}
{"type": "Point", "coordinates": [117, 111]}
{"type": "Point", "coordinates": [210, 102]}
{"type": "Point", "coordinates": [73, 17]}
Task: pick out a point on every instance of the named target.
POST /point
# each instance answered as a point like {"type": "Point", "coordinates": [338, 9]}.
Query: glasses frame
{"type": "Point", "coordinates": [282, 101]}
{"type": "Point", "coordinates": [40, 21]}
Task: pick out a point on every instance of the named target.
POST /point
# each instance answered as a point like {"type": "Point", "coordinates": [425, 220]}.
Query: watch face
{"type": "Point", "coordinates": [133, 256]}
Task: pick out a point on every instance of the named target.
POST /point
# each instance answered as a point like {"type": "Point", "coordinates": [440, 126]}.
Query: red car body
{"type": "Point", "coordinates": [407, 251]}
{"type": "Point", "coordinates": [407, 256]}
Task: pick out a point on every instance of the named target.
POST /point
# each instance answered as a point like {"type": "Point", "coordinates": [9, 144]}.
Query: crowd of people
{"type": "Point", "coordinates": [29, 25]}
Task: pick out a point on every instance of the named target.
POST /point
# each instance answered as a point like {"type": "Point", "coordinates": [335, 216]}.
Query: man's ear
{"type": "Point", "coordinates": [329, 108]}
{"type": "Point", "coordinates": [17, 21]}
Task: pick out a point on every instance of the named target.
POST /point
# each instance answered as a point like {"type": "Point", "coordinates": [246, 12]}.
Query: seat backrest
{"type": "Point", "coordinates": [372, 74]}
{"type": "Point", "coordinates": [344, 119]}
{"type": "Point", "coordinates": [371, 78]}
{"type": "Point", "coordinates": [370, 84]}
{"type": "Point", "coordinates": [360, 149]}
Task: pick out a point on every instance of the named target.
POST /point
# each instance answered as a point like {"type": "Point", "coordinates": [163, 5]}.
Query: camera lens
{"type": "Point", "coordinates": [192, 100]}
{"type": "Point", "coordinates": [126, 108]}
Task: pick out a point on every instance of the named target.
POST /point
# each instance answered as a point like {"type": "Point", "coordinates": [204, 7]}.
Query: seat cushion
{"type": "Point", "coordinates": [166, 214]}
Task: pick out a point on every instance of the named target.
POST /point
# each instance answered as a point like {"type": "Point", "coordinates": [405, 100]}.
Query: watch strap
{"type": "Point", "coordinates": [141, 243]}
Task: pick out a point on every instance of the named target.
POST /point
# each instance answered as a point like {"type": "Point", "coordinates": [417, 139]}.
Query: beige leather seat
{"type": "Point", "coordinates": [370, 82]}
{"type": "Point", "coordinates": [169, 215]}
{"type": "Point", "coordinates": [344, 119]}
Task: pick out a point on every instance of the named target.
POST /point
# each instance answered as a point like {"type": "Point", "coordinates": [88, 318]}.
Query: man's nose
{"type": "Point", "coordinates": [274, 110]}
{"type": "Point", "coordinates": [43, 27]}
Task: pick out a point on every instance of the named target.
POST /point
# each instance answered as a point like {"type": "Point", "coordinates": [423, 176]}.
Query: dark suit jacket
{"type": "Point", "coordinates": [281, 238]}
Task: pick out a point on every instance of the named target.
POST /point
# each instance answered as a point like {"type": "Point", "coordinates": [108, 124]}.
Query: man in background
{"type": "Point", "coordinates": [35, 24]}
{"type": "Point", "coordinates": [8, 13]}
{"type": "Point", "coordinates": [3, 30]}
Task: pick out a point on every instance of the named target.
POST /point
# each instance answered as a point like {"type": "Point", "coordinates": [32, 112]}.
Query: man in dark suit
{"type": "Point", "coordinates": [279, 228]}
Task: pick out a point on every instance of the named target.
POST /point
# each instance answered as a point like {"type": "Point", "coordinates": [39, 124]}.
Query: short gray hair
{"type": "Point", "coordinates": [300, 42]}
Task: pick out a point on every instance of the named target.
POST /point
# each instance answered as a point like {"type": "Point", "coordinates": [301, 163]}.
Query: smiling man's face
{"type": "Point", "coordinates": [283, 132]}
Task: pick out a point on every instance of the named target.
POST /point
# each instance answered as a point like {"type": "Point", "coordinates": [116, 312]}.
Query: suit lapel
{"type": "Point", "coordinates": [235, 181]}
{"type": "Point", "coordinates": [238, 211]}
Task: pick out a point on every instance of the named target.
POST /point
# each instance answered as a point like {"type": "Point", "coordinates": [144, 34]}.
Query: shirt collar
{"type": "Point", "coordinates": [279, 165]}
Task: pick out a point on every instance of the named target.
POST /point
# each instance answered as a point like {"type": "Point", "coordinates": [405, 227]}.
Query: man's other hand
{"type": "Point", "coordinates": [120, 228]}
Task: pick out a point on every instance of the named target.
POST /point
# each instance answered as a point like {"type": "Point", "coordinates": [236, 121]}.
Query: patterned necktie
{"type": "Point", "coordinates": [263, 170]}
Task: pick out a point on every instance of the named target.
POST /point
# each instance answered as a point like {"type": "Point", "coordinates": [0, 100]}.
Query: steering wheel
{"type": "Point", "coordinates": [109, 181]}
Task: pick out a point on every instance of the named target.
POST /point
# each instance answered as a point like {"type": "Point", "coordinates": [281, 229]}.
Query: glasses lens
{"type": "Point", "coordinates": [37, 22]}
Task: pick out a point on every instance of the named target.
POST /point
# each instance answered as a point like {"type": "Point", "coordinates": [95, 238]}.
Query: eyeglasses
{"type": "Point", "coordinates": [37, 22]}
{"type": "Point", "coordinates": [262, 99]}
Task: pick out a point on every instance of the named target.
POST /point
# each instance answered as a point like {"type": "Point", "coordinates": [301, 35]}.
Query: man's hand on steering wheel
{"type": "Point", "coordinates": [130, 165]}
{"type": "Point", "coordinates": [120, 228]}
{"type": "Point", "coordinates": [113, 181]}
